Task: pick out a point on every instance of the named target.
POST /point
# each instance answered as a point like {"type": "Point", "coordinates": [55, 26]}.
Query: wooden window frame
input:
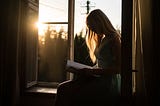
{"type": "Point", "coordinates": [126, 73]}
{"type": "Point", "coordinates": [126, 85]}
{"type": "Point", "coordinates": [30, 4]}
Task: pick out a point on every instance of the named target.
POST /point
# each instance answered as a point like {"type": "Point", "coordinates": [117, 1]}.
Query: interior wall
{"type": "Point", "coordinates": [156, 42]}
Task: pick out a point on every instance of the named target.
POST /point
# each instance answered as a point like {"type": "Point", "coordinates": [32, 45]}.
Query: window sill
{"type": "Point", "coordinates": [42, 88]}
{"type": "Point", "coordinates": [45, 90]}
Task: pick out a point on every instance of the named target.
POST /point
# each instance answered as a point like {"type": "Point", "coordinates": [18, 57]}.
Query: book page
{"type": "Point", "coordinates": [77, 65]}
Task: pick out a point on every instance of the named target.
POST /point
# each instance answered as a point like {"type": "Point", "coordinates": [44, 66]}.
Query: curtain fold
{"type": "Point", "coordinates": [9, 74]}
{"type": "Point", "coordinates": [139, 88]}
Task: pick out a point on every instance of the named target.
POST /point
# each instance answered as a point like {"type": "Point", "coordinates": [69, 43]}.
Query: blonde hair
{"type": "Point", "coordinates": [98, 26]}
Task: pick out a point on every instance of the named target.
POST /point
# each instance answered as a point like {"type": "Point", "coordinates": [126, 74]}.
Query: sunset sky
{"type": "Point", "coordinates": [56, 11]}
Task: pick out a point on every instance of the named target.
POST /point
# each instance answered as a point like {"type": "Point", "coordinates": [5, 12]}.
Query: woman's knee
{"type": "Point", "coordinates": [64, 86]}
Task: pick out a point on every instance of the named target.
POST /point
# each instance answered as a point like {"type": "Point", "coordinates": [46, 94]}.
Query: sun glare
{"type": "Point", "coordinates": [41, 28]}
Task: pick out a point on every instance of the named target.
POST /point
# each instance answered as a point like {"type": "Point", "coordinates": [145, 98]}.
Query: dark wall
{"type": "Point", "coordinates": [38, 99]}
{"type": "Point", "coordinates": [12, 62]}
{"type": "Point", "coordinates": [8, 51]}
{"type": "Point", "coordinates": [155, 91]}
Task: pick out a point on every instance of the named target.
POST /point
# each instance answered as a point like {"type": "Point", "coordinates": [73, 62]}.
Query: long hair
{"type": "Point", "coordinates": [99, 26]}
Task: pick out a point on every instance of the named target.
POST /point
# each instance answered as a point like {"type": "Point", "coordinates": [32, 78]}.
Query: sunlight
{"type": "Point", "coordinates": [41, 28]}
{"type": "Point", "coordinates": [58, 27]}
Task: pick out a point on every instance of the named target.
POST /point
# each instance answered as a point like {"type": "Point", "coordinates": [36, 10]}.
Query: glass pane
{"type": "Point", "coordinates": [53, 41]}
{"type": "Point", "coordinates": [31, 45]}
{"type": "Point", "coordinates": [53, 10]}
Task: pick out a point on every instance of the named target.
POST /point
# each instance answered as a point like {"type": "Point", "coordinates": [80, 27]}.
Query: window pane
{"type": "Point", "coordinates": [31, 45]}
{"type": "Point", "coordinates": [53, 10]}
{"type": "Point", "coordinates": [52, 52]}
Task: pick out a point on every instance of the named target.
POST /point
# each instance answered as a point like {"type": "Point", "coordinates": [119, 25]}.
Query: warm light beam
{"type": "Point", "coordinates": [41, 28]}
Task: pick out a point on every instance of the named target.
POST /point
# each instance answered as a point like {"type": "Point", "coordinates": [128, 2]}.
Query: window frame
{"type": "Point", "coordinates": [126, 86]}
{"type": "Point", "coordinates": [31, 5]}
{"type": "Point", "coordinates": [126, 50]}
{"type": "Point", "coordinates": [70, 23]}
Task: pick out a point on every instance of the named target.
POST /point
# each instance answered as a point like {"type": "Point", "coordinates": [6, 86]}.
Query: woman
{"type": "Point", "coordinates": [99, 86]}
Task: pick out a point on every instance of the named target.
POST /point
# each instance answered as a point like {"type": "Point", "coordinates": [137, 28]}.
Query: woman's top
{"type": "Point", "coordinates": [103, 90]}
{"type": "Point", "coordinates": [105, 58]}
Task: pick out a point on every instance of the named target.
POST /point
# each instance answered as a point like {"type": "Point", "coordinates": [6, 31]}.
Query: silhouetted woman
{"type": "Point", "coordinates": [99, 86]}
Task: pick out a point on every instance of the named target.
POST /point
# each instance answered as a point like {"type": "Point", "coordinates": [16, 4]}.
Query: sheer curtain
{"type": "Point", "coordinates": [139, 88]}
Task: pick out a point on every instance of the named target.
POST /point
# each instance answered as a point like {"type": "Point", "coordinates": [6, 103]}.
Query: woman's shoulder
{"type": "Point", "coordinates": [113, 38]}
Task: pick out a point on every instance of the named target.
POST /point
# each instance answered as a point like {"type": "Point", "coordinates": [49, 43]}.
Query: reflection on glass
{"type": "Point", "coordinates": [52, 31]}
{"type": "Point", "coordinates": [53, 40]}
{"type": "Point", "coordinates": [31, 45]}
{"type": "Point", "coordinates": [52, 52]}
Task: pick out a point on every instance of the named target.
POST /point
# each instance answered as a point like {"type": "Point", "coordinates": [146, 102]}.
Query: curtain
{"type": "Point", "coordinates": [9, 74]}
{"type": "Point", "coordinates": [139, 88]}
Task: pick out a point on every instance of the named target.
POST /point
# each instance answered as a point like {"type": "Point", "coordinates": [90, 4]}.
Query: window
{"type": "Point", "coordinates": [53, 40]}
{"type": "Point", "coordinates": [46, 60]}
{"type": "Point", "coordinates": [58, 40]}
{"type": "Point", "coordinates": [31, 42]}
{"type": "Point", "coordinates": [112, 8]}
{"type": "Point", "coordinates": [62, 29]}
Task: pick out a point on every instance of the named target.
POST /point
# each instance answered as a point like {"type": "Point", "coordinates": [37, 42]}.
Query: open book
{"type": "Point", "coordinates": [78, 68]}
{"type": "Point", "coordinates": [77, 65]}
